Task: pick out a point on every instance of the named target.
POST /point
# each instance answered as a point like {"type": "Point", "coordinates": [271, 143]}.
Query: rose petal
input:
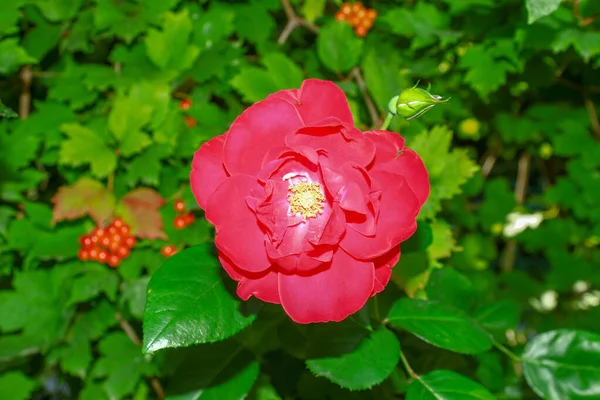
{"type": "Point", "coordinates": [207, 170]}
{"type": "Point", "coordinates": [398, 210]}
{"type": "Point", "coordinates": [328, 295]}
{"type": "Point", "coordinates": [392, 156]}
{"type": "Point", "coordinates": [260, 128]}
{"type": "Point", "coordinates": [317, 99]}
{"type": "Point", "coordinates": [383, 268]}
{"type": "Point", "coordinates": [263, 286]}
{"type": "Point", "coordinates": [239, 236]}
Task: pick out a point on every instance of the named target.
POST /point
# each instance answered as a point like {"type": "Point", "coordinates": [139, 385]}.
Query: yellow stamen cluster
{"type": "Point", "coordinates": [306, 199]}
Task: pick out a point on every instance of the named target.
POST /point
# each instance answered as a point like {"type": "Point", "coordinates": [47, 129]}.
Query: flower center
{"type": "Point", "coordinates": [306, 199]}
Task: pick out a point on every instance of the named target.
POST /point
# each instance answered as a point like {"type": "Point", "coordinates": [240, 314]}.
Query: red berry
{"type": "Point", "coordinates": [94, 253]}
{"type": "Point", "coordinates": [189, 218]}
{"type": "Point", "coordinates": [86, 241]}
{"type": "Point", "coordinates": [371, 14]}
{"type": "Point", "coordinates": [112, 230]}
{"type": "Point", "coordinates": [361, 31]}
{"type": "Point", "coordinates": [179, 206]}
{"type": "Point", "coordinates": [168, 250]}
{"type": "Point", "coordinates": [185, 104]}
{"type": "Point", "coordinates": [94, 239]}
{"type": "Point", "coordinates": [340, 16]}
{"type": "Point", "coordinates": [83, 255]}
{"type": "Point", "coordinates": [114, 246]}
{"type": "Point", "coordinates": [190, 121]}
{"type": "Point", "coordinates": [102, 256]}
{"type": "Point", "coordinates": [123, 251]}
{"type": "Point", "coordinates": [130, 241]}
{"type": "Point", "coordinates": [346, 9]}
{"type": "Point", "coordinates": [179, 222]}
{"type": "Point", "coordinates": [117, 238]}
{"type": "Point", "coordinates": [356, 7]}
{"type": "Point", "coordinates": [366, 23]}
{"type": "Point", "coordinates": [114, 260]}
{"type": "Point", "coordinates": [105, 241]}
{"type": "Point", "coordinates": [99, 232]}
{"type": "Point", "coordinates": [118, 222]}
{"type": "Point", "coordinates": [125, 230]}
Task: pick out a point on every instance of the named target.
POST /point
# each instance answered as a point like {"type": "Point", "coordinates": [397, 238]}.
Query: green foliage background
{"type": "Point", "coordinates": [477, 309]}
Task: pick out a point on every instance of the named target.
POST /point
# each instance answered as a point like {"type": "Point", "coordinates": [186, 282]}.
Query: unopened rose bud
{"type": "Point", "coordinates": [414, 102]}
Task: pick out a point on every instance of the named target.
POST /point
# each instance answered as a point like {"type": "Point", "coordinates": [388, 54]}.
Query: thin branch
{"type": "Point", "coordinates": [289, 28]}
{"type": "Point", "coordinates": [407, 366]}
{"type": "Point", "coordinates": [375, 119]}
{"type": "Point", "coordinates": [132, 335]}
{"type": "Point", "coordinates": [591, 109]}
{"type": "Point", "coordinates": [294, 21]}
{"type": "Point", "coordinates": [25, 97]}
{"type": "Point", "coordinates": [488, 164]}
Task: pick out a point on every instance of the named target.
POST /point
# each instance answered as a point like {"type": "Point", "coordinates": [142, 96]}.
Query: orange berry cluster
{"type": "Point", "coordinates": [107, 245]}
{"type": "Point", "coordinates": [359, 17]}
{"type": "Point", "coordinates": [183, 219]}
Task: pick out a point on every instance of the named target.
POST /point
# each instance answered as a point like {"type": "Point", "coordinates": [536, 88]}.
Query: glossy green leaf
{"type": "Point", "coordinates": [563, 364]}
{"type": "Point", "coordinates": [540, 8]}
{"type": "Point", "coordinates": [439, 325]}
{"type": "Point", "coordinates": [338, 47]}
{"type": "Point", "coordinates": [367, 365]}
{"type": "Point", "coordinates": [213, 372]}
{"type": "Point", "coordinates": [188, 303]}
{"type": "Point", "coordinates": [499, 315]}
{"type": "Point", "coordinates": [450, 287]}
{"type": "Point", "coordinates": [446, 385]}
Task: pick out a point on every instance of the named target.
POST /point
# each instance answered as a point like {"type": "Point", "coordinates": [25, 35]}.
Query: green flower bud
{"type": "Point", "coordinates": [414, 102]}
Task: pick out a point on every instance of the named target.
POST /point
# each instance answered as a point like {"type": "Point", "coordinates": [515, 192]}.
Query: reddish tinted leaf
{"type": "Point", "coordinates": [140, 210]}
{"type": "Point", "coordinates": [85, 197]}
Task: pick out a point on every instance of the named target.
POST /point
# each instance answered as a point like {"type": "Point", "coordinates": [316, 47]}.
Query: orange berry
{"type": "Point", "coordinates": [94, 253]}
{"type": "Point", "coordinates": [123, 251]}
{"type": "Point", "coordinates": [130, 241]}
{"type": "Point", "coordinates": [361, 13]}
{"type": "Point", "coordinates": [355, 21]}
{"type": "Point", "coordinates": [340, 16]}
{"type": "Point", "coordinates": [371, 14]}
{"type": "Point", "coordinates": [117, 238]}
{"type": "Point", "coordinates": [189, 218]}
{"type": "Point", "coordinates": [179, 222]}
{"type": "Point", "coordinates": [185, 104]}
{"type": "Point", "coordinates": [360, 31]}
{"type": "Point", "coordinates": [114, 246]}
{"type": "Point", "coordinates": [168, 250]}
{"type": "Point", "coordinates": [118, 222]}
{"type": "Point", "coordinates": [112, 230]}
{"type": "Point", "coordinates": [114, 260]}
{"type": "Point", "coordinates": [125, 230]}
{"type": "Point", "coordinates": [86, 241]}
{"type": "Point", "coordinates": [179, 206]}
{"type": "Point", "coordinates": [102, 256]}
{"type": "Point", "coordinates": [105, 241]}
{"type": "Point", "coordinates": [356, 7]}
{"type": "Point", "coordinates": [83, 255]}
{"type": "Point", "coordinates": [366, 23]}
{"type": "Point", "coordinates": [190, 121]}
{"type": "Point", "coordinates": [346, 9]}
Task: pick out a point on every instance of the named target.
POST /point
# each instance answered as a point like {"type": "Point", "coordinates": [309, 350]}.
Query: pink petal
{"type": "Point", "coordinates": [340, 143]}
{"type": "Point", "coordinates": [392, 156]}
{"type": "Point", "coordinates": [317, 99]}
{"type": "Point", "coordinates": [263, 286]}
{"type": "Point", "coordinates": [383, 268]}
{"type": "Point", "coordinates": [260, 128]}
{"type": "Point", "coordinates": [398, 210]}
{"type": "Point", "coordinates": [207, 170]}
{"type": "Point", "coordinates": [329, 295]}
{"type": "Point", "coordinates": [239, 236]}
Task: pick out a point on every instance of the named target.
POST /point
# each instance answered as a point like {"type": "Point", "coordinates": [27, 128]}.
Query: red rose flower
{"type": "Point", "coordinates": [309, 211]}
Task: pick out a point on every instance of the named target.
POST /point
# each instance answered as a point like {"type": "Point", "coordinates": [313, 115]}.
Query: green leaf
{"type": "Point", "coordinates": [170, 48]}
{"type": "Point", "coordinates": [84, 146]}
{"type": "Point", "coordinates": [383, 75]}
{"type": "Point", "coordinates": [253, 22]}
{"type": "Point", "coordinates": [448, 286]}
{"type": "Point", "coordinates": [537, 9]}
{"type": "Point", "coordinates": [15, 385]}
{"type": "Point", "coordinates": [213, 372]}
{"type": "Point", "coordinates": [446, 385]}
{"type": "Point", "coordinates": [59, 10]}
{"type": "Point", "coordinates": [338, 47]}
{"type": "Point", "coordinates": [367, 365]}
{"type": "Point", "coordinates": [585, 42]}
{"type": "Point", "coordinates": [563, 364]}
{"type": "Point", "coordinates": [448, 169]}
{"type": "Point", "coordinates": [313, 9]}
{"type": "Point", "coordinates": [499, 315]}
{"type": "Point", "coordinates": [439, 325]}
{"type": "Point", "coordinates": [6, 112]}
{"type": "Point", "coordinates": [97, 279]}
{"type": "Point", "coordinates": [188, 303]}
{"type": "Point", "coordinates": [12, 56]}
{"type": "Point", "coordinates": [255, 84]}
